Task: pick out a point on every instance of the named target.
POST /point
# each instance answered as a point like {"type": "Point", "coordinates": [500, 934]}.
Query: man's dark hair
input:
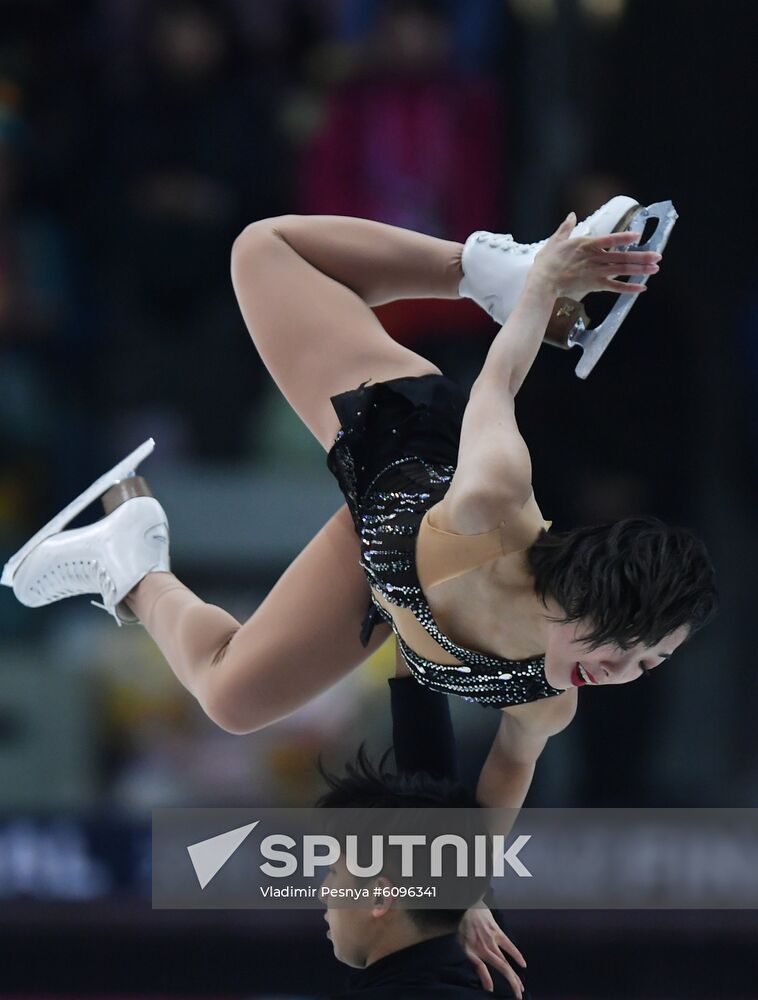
{"type": "Point", "coordinates": [369, 786]}
{"type": "Point", "coordinates": [636, 580]}
{"type": "Point", "coordinates": [366, 785]}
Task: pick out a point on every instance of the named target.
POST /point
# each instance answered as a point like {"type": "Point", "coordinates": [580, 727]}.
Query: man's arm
{"type": "Point", "coordinates": [422, 731]}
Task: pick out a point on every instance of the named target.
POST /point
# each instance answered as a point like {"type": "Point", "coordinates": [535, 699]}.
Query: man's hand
{"type": "Point", "coordinates": [483, 940]}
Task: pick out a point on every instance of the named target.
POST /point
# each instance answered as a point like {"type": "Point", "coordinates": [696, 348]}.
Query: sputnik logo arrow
{"type": "Point", "coordinates": [209, 856]}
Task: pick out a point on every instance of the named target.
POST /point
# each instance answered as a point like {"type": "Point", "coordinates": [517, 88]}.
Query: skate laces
{"type": "Point", "coordinates": [506, 242]}
{"type": "Point", "coordinates": [107, 587]}
{"type": "Point", "coordinates": [77, 576]}
{"type": "Point", "coordinates": [584, 228]}
{"type": "Point", "coordinates": [108, 590]}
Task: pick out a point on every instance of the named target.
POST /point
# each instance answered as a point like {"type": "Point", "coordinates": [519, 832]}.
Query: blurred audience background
{"type": "Point", "coordinates": [137, 139]}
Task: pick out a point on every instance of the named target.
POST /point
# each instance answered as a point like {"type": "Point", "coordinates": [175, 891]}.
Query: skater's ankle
{"type": "Point", "coordinates": [456, 269]}
{"type": "Point", "coordinates": [136, 592]}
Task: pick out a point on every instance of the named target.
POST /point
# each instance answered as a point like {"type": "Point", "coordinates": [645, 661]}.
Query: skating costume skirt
{"type": "Point", "coordinates": [394, 458]}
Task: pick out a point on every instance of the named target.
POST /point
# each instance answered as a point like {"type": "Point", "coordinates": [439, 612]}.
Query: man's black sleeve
{"type": "Point", "coordinates": [422, 731]}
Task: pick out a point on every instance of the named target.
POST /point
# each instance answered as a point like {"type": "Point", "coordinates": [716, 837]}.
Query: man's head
{"type": "Point", "coordinates": [623, 596]}
{"type": "Point", "coordinates": [360, 934]}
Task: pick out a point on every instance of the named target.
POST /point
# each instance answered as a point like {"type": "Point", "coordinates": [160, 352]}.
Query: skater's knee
{"type": "Point", "coordinates": [219, 672]}
{"type": "Point", "coordinates": [223, 706]}
{"type": "Point", "coordinates": [257, 234]}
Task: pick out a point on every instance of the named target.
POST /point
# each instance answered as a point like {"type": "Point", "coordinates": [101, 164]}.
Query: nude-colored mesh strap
{"type": "Point", "coordinates": [444, 555]}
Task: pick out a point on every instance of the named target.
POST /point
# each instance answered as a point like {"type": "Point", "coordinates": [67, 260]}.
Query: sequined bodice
{"type": "Point", "coordinates": [390, 513]}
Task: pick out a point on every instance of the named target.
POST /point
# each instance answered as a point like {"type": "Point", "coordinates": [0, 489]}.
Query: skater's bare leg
{"type": "Point", "coordinates": [305, 285]}
{"type": "Point", "coordinates": [302, 638]}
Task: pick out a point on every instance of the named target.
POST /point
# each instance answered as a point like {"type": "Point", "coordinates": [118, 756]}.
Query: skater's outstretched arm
{"type": "Point", "coordinates": [521, 737]}
{"type": "Point", "coordinates": [423, 739]}
{"type": "Point", "coordinates": [564, 267]}
{"type": "Point", "coordinates": [493, 475]}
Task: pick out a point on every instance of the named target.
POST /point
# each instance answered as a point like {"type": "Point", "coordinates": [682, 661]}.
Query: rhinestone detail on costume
{"type": "Point", "coordinates": [389, 514]}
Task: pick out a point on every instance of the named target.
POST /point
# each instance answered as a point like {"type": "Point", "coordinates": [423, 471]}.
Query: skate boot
{"type": "Point", "coordinates": [109, 557]}
{"type": "Point", "coordinates": [495, 269]}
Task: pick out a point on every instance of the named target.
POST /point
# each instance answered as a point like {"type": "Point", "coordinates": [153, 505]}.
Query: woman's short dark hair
{"type": "Point", "coordinates": [635, 581]}
{"type": "Point", "coordinates": [366, 785]}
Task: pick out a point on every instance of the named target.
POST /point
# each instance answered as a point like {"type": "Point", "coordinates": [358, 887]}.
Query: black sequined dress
{"type": "Point", "coordinates": [394, 458]}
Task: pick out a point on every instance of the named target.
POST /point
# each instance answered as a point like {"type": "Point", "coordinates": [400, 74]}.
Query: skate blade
{"type": "Point", "coordinates": [123, 470]}
{"type": "Point", "coordinates": [595, 340]}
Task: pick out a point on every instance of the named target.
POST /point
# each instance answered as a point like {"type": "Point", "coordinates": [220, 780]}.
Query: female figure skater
{"type": "Point", "coordinates": [441, 536]}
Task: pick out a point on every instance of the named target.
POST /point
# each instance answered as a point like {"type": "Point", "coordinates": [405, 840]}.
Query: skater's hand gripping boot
{"type": "Point", "coordinates": [495, 269]}
{"type": "Point", "coordinates": [108, 558]}
{"type": "Point", "coordinates": [568, 269]}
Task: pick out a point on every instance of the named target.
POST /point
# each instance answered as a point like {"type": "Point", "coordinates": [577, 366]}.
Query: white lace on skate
{"type": "Point", "coordinates": [73, 577]}
{"type": "Point", "coordinates": [495, 266]}
{"type": "Point", "coordinates": [506, 242]}
{"type": "Point", "coordinates": [585, 227]}
{"type": "Point", "coordinates": [108, 557]}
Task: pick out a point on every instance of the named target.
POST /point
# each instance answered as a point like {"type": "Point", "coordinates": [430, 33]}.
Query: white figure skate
{"type": "Point", "coordinates": [495, 270]}
{"type": "Point", "coordinates": [109, 557]}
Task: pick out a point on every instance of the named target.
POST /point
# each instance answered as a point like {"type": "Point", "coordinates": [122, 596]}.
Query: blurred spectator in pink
{"type": "Point", "coordinates": [477, 30]}
{"type": "Point", "coordinates": [409, 141]}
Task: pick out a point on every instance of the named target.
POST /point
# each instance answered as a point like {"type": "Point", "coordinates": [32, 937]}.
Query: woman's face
{"type": "Point", "coordinates": [569, 662]}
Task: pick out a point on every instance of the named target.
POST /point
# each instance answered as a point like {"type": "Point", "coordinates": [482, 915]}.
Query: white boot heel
{"type": "Point", "coordinates": [109, 557]}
